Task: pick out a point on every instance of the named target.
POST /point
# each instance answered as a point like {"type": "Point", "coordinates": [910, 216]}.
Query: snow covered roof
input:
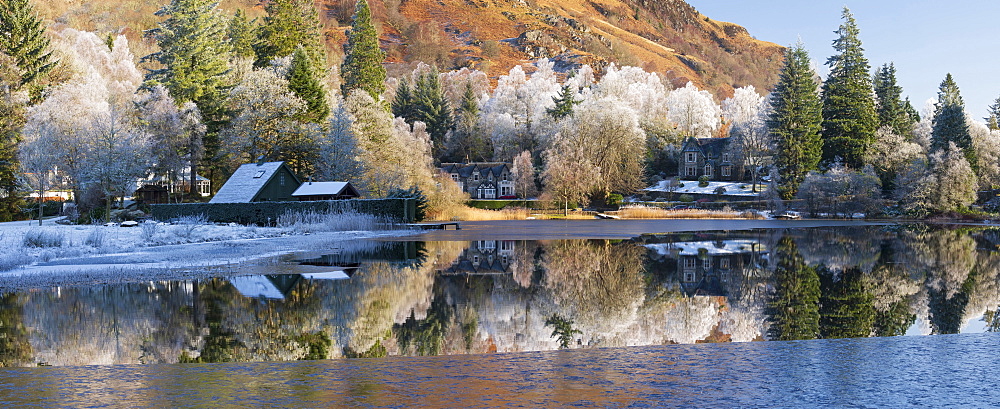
{"type": "Point", "coordinates": [246, 182]}
{"type": "Point", "coordinates": [324, 188]}
{"type": "Point", "coordinates": [256, 286]}
{"type": "Point", "coordinates": [714, 248]}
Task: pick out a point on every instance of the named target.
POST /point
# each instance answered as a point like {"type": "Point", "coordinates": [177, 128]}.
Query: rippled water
{"type": "Point", "coordinates": [942, 371]}
{"type": "Point", "coordinates": [534, 323]}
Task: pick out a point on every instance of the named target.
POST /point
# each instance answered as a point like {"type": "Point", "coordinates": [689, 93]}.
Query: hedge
{"type": "Point", "coordinates": [267, 213]}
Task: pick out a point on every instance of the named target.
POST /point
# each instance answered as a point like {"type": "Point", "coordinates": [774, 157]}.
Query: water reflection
{"type": "Point", "coordinates": [374, 300]}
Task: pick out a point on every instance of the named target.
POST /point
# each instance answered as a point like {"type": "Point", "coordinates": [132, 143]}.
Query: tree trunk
{"type": "Point", "coordinates": [41, 192]}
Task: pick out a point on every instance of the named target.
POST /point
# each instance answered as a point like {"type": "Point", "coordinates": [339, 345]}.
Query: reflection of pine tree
{"type": "Point", "coordinates": [848, 309]}
{"type": "Point", "coordinates": [794, 309]}
{"type": "Point", "coordinates": [563, 329]}
{"type": "Point", "coordinates": [947, 313]}
{"type": "Point", "coordinates": [15, 350]}
{"type": "Point", "coordinates": [426, 335]}
{"type": "Point", "coordinates": [895, 320]}
{"type": "Point", "coordinates": [221, 344]}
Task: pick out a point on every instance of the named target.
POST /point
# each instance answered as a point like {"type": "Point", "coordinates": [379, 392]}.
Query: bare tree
{"type": "Point", "coordinates": [524, 176]}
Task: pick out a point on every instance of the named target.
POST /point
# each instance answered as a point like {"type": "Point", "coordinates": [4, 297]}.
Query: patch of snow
{"type": "Point", "coordinates": [691, 186]}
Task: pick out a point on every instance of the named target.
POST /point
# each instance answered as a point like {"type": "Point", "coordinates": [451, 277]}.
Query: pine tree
{"type": "Point", "coordinates": [949, 121]}
{"type": "Point", "coordinates": [891, 109]}
{"type": "Point", "coordinates": [302, 81]}
{"type": "Point", "coordinates": [194, 56]}
{"type": "Point", "coordinates": [13, 105]}
{"type": "Point", "coordinates": [433, 109]}
{"type": "Point", "coordinates": [795, 121]}
{"type": "Point", "coordinates": [911, 111]}
{"type": "Point", "coordinates": [849, 120]}
{"type": "Point", "coordinates": [362, 67]}
{"type": "Point", "coordinates": [403, 105]}
{"type": "Point", "coordinates": [467, 143]}
{"type": "Point", "coordinates": [22, 36]}
{"type": "Point", "coordinates": [564, 103]}
{"type": "Point", "coordinates": [242, 35]}
{"type": "Point", "coordinates": [794, 310]}
{"type": "Point", "coordinates": [993, 121]}
{"type": "Point", "coordinates": [288, 25]}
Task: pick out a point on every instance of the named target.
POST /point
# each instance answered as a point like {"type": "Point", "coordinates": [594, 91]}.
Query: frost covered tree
{"type": "Point", "coordinates": [515, 116]}
{"type": "Point", "coordinates": [694, 112]}
{"type": "Point", "coordinates": [842, 191]}
{"type": "Point", "coordinates": [362, 67]}
{"type": "Point", "coordinates": [746, 112]}
{"type": "Point", "coordinates": [948, 125]}
{"type": "Point", "coordinates": [117, 158]}
{"type": "Point", "coordinates": [849, 119]}
{"type": "Point", "coordinates": [176, 133]}
{"type": "Point", "coordinates": [986, 143]}
{"type": "Point", "coordinates": [941, 183]}
{"type": "Point", "coordinates": [795, 121]}
{"type": "Point", "coordinates": [524, 176]}
{"type": "Point", "coordinates": [890, 154]}
{"type": "Point", "coordinates": [263, 109]}
{"type": "Point", "coordinates": [569, 173]}
{"type": "Point", "coordinates": [339, 153]}
{"type": "Point", "coordinates": [36, 160]}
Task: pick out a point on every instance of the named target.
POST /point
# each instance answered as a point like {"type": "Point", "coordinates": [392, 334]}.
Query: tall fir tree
{"type": "Point", "coordinates": [795, 121]}
{"type": "Point", "coordinates": [949, 123]}
{"type": "Point", "coordinates": [847, 304]}
{"type": "Point", "coordinates": [362, 67]}
{"type": "Point", "coordinates": [993, 120]}
{"type": "Point", "coordinates": [849, 119]}
{"type": "Point", "coordinates": [467, 143]}
{"type": "Point", "coordinates": [302, 81]}
{"type": "Point", "coordinates": [891, 109]}
{"type": "Point", "coordinates": [403, 104]}
{"type": "Point", "coordinates": [288, 25]}
{"type": "Point", "coordinates": [794, 310]}
{"type": "Point", "coordinates": [22, 37]}
{"type": "Point", "coordinates": [564, 103]}
{"type": "Point", "coordinates": [194, 55]}
{"type": "Point", "coordinates": [13, 106]}
{"type": "Point", "coordinates": [242, 34]}
{"type": "Point", "coordinates": [433, 109]}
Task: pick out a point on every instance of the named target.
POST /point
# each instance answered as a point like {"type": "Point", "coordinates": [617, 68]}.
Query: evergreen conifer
{"type": "Point", "coordinates": [288, 25]}
{"type": "Point", "coordinates": [795, 121]}
{"type": "Point", "coordinates": [302, 81]}
{"type": "Point", "coordinates": [12, 117]}
{"type": "Point", "coordinates": [242, 35]}
{"type": "Point", "coordinates": [891, 109]}
{"type": "Point", "coordinates": [849, 119]}
{"type": "Point", "coordinates": [362, 67]}
{"type": "Point", "coordinates": [949, 123]}
{"type": "Point", "coordinates": [22, 37]}
{"type": "Point", "coordinates": [564, 103]}
{"type": "Point", "coordinates": [403, 103]}
{"type": "Point", "coordinates": [993, 120]}
{"type": "Point", "coordinates": [433, 109]}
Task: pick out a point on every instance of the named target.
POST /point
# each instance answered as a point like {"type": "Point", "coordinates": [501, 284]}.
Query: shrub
{"type": "Point", "coordinates": [96, 237]}
{"type": "Point", "coordinates": [686, 198]}
{"type": "Point", "coordinates": [720, 190]}
{"type": "Point", "coordinates": [703, 181]}
{"type": "Point", "coordinates": [614, 200]}
{"type": "Point", "coordinates": [149, 230]}
{"type": "Point", "coordinates": [680, 185]}
{"type": "Point", "coordinates": [413, 192]}
{"type": "Point", "coordinates": [186, 225]}
{"type": "Point", "coordinates": [43, 238]}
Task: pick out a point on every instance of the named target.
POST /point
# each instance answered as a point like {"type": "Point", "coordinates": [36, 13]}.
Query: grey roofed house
{"type": "Point", "coordinates": [325, 191]}
{"type": "Point", "coordinates": [259, 182]}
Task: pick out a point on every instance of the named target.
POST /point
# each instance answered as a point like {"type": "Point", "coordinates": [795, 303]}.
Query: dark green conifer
{"type": "Point", "coordinates": [12, 117]}
{"type": "Point", "coordinates": [242, 35]}
{"type": "Point", "coordinates": [565, 102]}
{"type": "Point", "coordinates": [362, 67]}
{"type": "Point", "coordinates": [302, 81]}
{"type": "Point", "coordinates": [794, 310]}
{"type": "Point", "coordinates": [949, 123]}
{"type": "Point", "coordinates": [288, 25]}
{"type": "Point", "coordinates": [849, 120]}
{"type": "Point", "coordinates": [22, 36]}
{"type": "Point", "coordinates": [891, 109]}
{"type": "Point", "coordinates": [795, 121]}
{"type": "Point", "coordinates": [993, 120]}
{"type": "Point", "coordinates": [403, 103]}
{"type": "Point", "coordinates": [433, 109]}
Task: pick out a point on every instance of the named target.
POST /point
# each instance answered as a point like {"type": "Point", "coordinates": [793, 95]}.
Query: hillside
{"type": "Point", "coordinates": [667, 36]}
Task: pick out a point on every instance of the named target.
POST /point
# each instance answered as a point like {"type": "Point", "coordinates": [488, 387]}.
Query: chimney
{"type": "Point", "coordinates": [260, 160]}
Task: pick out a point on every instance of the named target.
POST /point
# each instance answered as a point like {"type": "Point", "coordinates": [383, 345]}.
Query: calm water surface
{"type": "Point", "coordinates": [578, 322]}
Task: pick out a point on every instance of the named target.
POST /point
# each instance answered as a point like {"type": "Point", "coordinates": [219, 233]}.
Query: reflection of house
{"type": "Point", "coordinates": [482, 180]}
{"type": "Point", "coordinates": [709, 267]}
{"type": "Point", "coordinates": [259, 182]}
{"type": "Point", "coordinates": [278, 286]}
{"type": "Point", "coordinates": [325, 191]}
{"type": "Point", "coordinates": [717, 158]}
{"type": "Point", "coordinates": [484, 257]}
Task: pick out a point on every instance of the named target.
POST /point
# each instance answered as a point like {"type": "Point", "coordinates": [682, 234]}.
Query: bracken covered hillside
{"type": "Point", "coordinates": [667, 36]}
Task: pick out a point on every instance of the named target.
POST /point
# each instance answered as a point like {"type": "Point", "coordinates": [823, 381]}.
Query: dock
{"type": "Point", "coordinates": [437, 226]}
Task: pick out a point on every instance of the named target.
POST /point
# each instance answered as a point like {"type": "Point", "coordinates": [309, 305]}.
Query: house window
{"type": "Point", "coordinates": [475, 177]}
{"type": "Point", "coordinates": [692, 157]}
{"type": "Point", "coordinates": [475, 259]}
{"type": "Point", "coordinates": [708, 170]}
{"type": "Point", "coordinates": [281, 180]}
{"type": "Point", "coordinates": [692, 171]}
{"type": "Point", "coordinates": [260, 173]}
{"type": "Point", "coordinates": [489, 177]}
{"type": "Point", "coordinates": [690, 263]}
{"type": "Point", "coordinates": [725, 157]}
{"type": "Point", "coordinates": [506, 245]}
{"type": "Point", "coordinates": [454, 176]}
{"type": "Point", "coordinates": [689, 277]}
{"type": "Point", "coordinates": [487, 245]}
{"type": "Point", "coordinates": [707, 263]}
{"type": "Point", "coordinates": [504, 176]}
{"type": "Point", "coordinates": [724, 264]}
{"type": "Point", "coordinates": [727, 171]}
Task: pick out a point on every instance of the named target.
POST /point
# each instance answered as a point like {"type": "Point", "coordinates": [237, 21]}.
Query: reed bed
{"type": "Point", "coordinates": [646, 212]}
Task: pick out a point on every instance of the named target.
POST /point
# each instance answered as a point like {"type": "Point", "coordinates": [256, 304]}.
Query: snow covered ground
{"type": "Point", "coordinates": [691, 186]}
{"type": "Point", "coordinates": [67, 254]}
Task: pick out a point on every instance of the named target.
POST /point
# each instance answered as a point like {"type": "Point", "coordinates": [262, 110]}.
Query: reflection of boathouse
{"type": "Point", "coordinates": [710, 267]}
{"type": "Point", "coordinates": [484, 257]}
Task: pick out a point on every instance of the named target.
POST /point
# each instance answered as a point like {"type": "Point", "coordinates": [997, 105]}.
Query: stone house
{"type": "Point", "coordinates": [483, 180]}
{"type": "Point", "coordinates": [718, 158]}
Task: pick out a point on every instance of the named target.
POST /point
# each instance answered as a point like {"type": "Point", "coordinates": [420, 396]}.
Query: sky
{"type": "Point", "coordinates": [924, 39]}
